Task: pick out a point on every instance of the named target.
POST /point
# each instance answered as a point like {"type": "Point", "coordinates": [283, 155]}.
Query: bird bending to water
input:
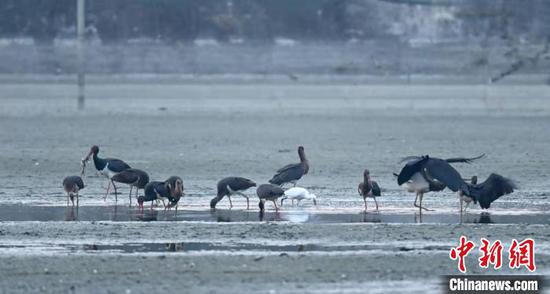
{"type": "Point", "coordinates": [108, 167]}
{"type": "Point", "coordinates": [171, 189]}
{"type": "Point", "coordinates": [232, 186]}
{"type": "Point", "coordinates": [427, 168]}
{"type": "Point", "coordinates": [417, 182]}
{"type": "Point", "coordinates": [175, 188]}
{"type": "Point", "coordinates": [298, 193]}
{"type": "Point", "coordinates": [293, 172]}
{"type": "Point", "coordinates": [269, 192]}
{"type": "Point", "coordinates": [133, 177]}
{"type": "Point", "coordinates": [369, 188]}
{"type": "Point", "coordinates": [71, 185]}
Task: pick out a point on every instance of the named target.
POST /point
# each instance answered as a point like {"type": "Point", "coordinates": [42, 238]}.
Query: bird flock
{"type": "Point", "coordinates": [419, 175]}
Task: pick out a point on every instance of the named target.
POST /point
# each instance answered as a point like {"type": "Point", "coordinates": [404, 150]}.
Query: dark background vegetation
{"type": "Point", "coordinates": [172, 20]}
{"type": "Point", "coordinates": [494, 37]}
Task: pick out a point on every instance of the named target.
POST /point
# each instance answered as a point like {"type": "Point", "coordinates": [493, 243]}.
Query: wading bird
{"type": "Point", "coordinates": [269, 192]}
{"type": "Point", "coordinates": [232, 186]}
{"type": "Point", "coordinates": [298, 193]}
{"type": "Point", "coordinates": [171, 189]}
{"type": "Point", "coordinates": [175, 188]}
{"type": "Point", "coordinates": [419, 183]}
{"type": "Point", "coordinates": [293, 172]}
{"type": "Point", "coordinates": [427, 168]}
{"type": "Point", "coordinates": [71, 185]}
{"type": "Point", "coordinates": [108, 167]}
{"type": "Point", "coordinates": [133, 177]}
{"type": "Point", "coordinates": [368, 188]}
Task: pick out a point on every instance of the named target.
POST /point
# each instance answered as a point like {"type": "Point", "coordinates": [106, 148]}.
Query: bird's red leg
{"type": "Point", "coordinates": [107, 192]}
{"type": "Point", "coordinates": [116, 193]}
{"type": "Point", "coordinates": [365, 200]}
{"type": "Point", "coordinates": [422, 207]}
{"type": "Point", "coordinates": [375, 202]}
{"type": "Point", "coordinates": [130, 196]}
{"type": "Point", "coordinates": [230, 202]}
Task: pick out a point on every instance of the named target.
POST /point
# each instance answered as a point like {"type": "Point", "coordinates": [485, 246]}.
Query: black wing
{"type": "Point", "coordinates": [409, 158]}
{"type": "Point", "coordinates": [443, 172]}
{"type": "Point", "coordinates": [464, 159]}
{"type": "Point", "coordinates": [490, 190]}
{"type": "Point", "coordinates": [128, 176]}
{"type": "Point", "coordinates": [291, 172]}
{"type": "Point", "coordinates": [73, 180]}
{"type": "Point", "coordinates": [287, 167]}
{"type": "Point", "coordinates": [268, 191]}
{"type": "Point", "coordinates": [449, 160]}
{"type": "Point", "coordinates": [412, 167]}
{"type": "Point", "coordinates": [151, 190]}
{"type": "Point", "coordinates": [117, 165]}
{"type": "Point", "coordinates": [376, 189]}
{"type": "Point", "coordinates": [239, 184]}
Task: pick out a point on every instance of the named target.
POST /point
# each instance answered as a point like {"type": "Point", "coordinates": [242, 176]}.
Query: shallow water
{"type": "Point", "coordinates": [123, 213]}
{"type": "Point", "coordinates": [206, 132]}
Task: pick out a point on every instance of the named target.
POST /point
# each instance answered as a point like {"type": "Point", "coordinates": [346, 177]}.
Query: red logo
{"type": "Point", "coordinates": [520, 254]}
{"type": "Point", "coordinates": [523, 254]}
{"type": "Point", "coordinates": [463, 249]}
{"type": "Point", "coordinates": [491, 254]}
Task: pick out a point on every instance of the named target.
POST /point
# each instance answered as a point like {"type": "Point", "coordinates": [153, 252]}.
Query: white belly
{"type": "Point", "coordinates": [417, 184]}
{"type": "Point", "coordinates": [466, 198]}
{"type": "Point", "coordinates": [296, 193]}
{"type": "Point", "coordinates": [106, 172]}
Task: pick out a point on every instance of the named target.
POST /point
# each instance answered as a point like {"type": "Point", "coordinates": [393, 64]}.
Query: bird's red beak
{"type": "Point", "coordinates": [87, 156]}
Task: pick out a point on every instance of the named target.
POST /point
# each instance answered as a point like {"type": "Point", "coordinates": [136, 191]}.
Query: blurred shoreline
{"type": "Point", "coordinates": [244, 79]}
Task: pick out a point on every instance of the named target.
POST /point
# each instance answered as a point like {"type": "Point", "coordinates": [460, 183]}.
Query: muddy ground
{"type": "Point", "coordinates": [204, 132]}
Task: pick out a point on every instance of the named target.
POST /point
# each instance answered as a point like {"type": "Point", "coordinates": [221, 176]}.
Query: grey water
{"type": "Point", "coordinates": [123, 213]}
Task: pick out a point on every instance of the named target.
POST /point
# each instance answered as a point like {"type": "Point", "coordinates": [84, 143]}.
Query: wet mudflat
{"type": "Point", "coordinates": [124, 213]}
{"type": "Point", "coordinates": [206, 132]}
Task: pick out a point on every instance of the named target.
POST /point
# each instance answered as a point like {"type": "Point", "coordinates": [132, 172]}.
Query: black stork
{"type": "Point", "coordinates": [369, 188]}
{"type": "Point", "coordinates": [152, 191]}
{"type": "Point", "coordinates": [427, 168]}
{"type": "Point", "coordinates": [133, 177]}
{"type": "Point", "coordinates": [71, 185]}
{"type": "Point", "coordinates": [269, 192]}
{"type": "Point", "coordinates": [419, 183]}
{"type": "Point", "coordinates": [108, 167]}
{"type": "Point", "coordinates": [175, 188]}
{"type": "Point", "coordinates": [232, 186]}
{"type": "Point", "coordinates": [171, 189]}
{"type": "Point", "coordinates": [291, 173]}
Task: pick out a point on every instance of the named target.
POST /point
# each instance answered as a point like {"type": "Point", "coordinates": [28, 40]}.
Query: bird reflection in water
{"type": "Point", "coordinates": [147, 215]}
{"type": "Point", "coordinates": [418, 217]}
{"type": "Point", "coordinates": [296, 216]}
{"type": "Point", "coordinates": [71, 213]}
{"type": "Point", "coordinates": [371, 217]}
{"type": "Point", "coordinates": [269, 217]}
{"type": "Point", "coordinates": [230, 215]}
{"type": "Point", "coordinates": [174, 247]}
{"type": "Point", "coordinates": [484, 218]}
